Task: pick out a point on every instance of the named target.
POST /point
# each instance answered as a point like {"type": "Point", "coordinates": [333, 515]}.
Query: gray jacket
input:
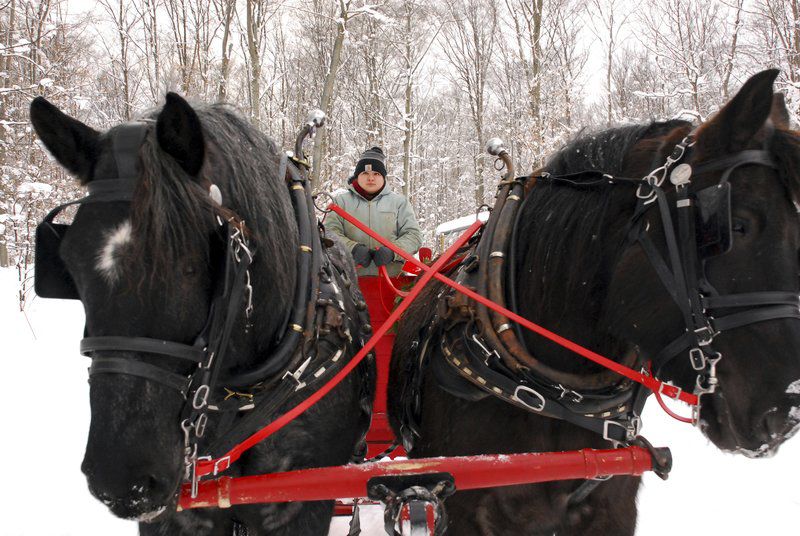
{"type": "Point", "coordinates": [389, 214]}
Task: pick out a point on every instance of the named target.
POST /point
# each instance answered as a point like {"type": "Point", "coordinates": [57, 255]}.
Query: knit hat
{"type": "Point", "coordinates": [372, 159]}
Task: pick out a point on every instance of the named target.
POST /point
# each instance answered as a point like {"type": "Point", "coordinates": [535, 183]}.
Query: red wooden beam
{"type": "Point", "coordinates": [470, 472]}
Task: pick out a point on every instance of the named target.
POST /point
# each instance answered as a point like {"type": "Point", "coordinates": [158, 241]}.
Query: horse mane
{"type": "Point", "coordinates": [173, 216]}
{"type": "Point", "coordinates": [568, 237]}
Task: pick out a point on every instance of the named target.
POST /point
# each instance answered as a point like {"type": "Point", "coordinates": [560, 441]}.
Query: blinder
{"type": "Point", "coordinates": [713, 225]}
{"type": "Point", "coordinates": [51, 277]}
{"type": "Point", "coordinates": [713, 221]}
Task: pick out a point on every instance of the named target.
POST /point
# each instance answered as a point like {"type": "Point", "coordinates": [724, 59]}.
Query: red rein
{"type": "Point", "coordinates": [651, 383]}
{"type": "Point", "coordinates": [206, 467]}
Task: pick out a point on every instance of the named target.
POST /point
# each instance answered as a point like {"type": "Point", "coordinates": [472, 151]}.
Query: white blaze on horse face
{"type": "Point", "coordinates": [107, 258]}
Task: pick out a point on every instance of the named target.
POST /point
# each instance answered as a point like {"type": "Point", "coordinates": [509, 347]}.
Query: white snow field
{"type": "Point", "coordinates": [45, 418]}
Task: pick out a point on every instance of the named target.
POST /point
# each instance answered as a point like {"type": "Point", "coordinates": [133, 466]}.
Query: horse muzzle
{"type": "Point", "coordinates": [140, 499]}
{"type": "Point", "coordinates": [757, 437]}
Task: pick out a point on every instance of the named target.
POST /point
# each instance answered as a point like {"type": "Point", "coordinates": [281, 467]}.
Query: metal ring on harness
{"type": "Point", "coordinates": [324, 210]}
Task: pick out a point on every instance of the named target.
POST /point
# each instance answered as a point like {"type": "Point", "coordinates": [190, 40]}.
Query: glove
{"type": "Point", "coordinates": [362, 255]}
{"type": "Point", "coordinates": [382, 256]}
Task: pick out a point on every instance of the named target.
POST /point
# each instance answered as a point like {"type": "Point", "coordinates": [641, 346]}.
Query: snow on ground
{"type": "Point", "coordinates": [45, 419]}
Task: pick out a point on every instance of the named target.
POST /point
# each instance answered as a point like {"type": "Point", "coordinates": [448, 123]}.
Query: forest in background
{"type": "Point", "coordinates": [430, 81]}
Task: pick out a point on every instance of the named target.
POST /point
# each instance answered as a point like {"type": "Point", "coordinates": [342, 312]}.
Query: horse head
{"type": "Point", "coordinates": [742, 259]}
{"type": "Point", "coordinates": [148, 266]}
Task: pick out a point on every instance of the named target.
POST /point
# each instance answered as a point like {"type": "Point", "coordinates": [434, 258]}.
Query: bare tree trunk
{"type": "Point", "coordinates": [535, 31]}
{"type": "Point", "coordinates": [409, 95]}
{"type": "Point", "coordinates": [732, 53]}
{"type": "Point", "coordinates": [123, 55]}
{"type": "Point", "coordinates": [408, 126]}
{"type": "Point", "coordinates": [327, 90]}
{"type": "Point", "coordinates": [178, 15]}
{"type": "Point", "coordinates": [226, 8]}
{"type": "Point", "coordinates": [8, 40]}
{"type": "Point", "coordinates": [151, 30]}
{"type": "Point", "coordinates": [255, 61]}
{"type": "Point", "coordinates": [610, 68]}
{"type": "Point", "coordinates": [119, 13]}
{"type": "Point", "coordinates": [794, 60]}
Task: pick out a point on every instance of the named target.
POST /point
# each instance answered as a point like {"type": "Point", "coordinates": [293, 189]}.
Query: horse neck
{"type": "Point", "coordinates": [562, 277]}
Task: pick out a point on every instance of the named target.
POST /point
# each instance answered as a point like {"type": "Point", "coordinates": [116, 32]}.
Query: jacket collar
{"type": "Point", "coordinates": [382, 193]}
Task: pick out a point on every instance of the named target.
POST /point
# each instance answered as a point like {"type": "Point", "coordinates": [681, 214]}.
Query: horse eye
{"type": "Point", "coordinates": [739, 226]}
{"type": "Point", "coordinates": [189, 270]}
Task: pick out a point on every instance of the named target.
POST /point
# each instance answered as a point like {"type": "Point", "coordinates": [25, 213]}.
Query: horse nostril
{"type": "Point", "coordinates": [154, 488]}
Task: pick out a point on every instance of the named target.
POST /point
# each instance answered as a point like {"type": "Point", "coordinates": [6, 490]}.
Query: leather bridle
{"type": "Point", "coordinates": [683, 273]}
{"type": "Point", "coordinates": [232, 293]}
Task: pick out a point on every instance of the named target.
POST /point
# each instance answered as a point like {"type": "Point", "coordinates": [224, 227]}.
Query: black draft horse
{"type": "Point", "coordinates": [148, 267]}
{"type": "Point", "coordinates": [579, 275]}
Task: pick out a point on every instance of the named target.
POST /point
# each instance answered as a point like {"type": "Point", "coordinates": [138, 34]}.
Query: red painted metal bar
{"type": "Point", "coordinates": [388, 280]}
{"type": "Point", "coordinates": [470, 472]}
{"type": "Point", "coordinates": [651, 383]}
{"type": "Point", "coordinates": [206, 467]}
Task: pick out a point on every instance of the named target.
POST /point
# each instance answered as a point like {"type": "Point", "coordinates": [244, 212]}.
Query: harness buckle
{"type": "Point", "coordinates": [200, 425]}
{"type": "Point", "coordinates": [221, 465]}
{"type": "Point", "coordinates": [662, 385]}
{"type": "Point", "coordinates": [696, 414]}
{"type": "Point", "coordinates": [631, 429]}
{"type": "Point", "coordinates": [532, 392]}
{"type": "Point", "coordinates": [297, 374]}
{"type": "Point", "coordinates": [697, 358]}
{"type": "Point", "coordinates": [576, 396]}
{"type": "Point", "coordinates": [705, 335]}
{"type": "Point", "coordinates": [649, 196]}
{"type": "Point", "coordinates": [486, 351]}
{"type": "Point", "coordinates": [487, 354]}
{"type": "Point", "coordinates": [200, 399]}
{"type": "Point", "coordinates": [607, 427]}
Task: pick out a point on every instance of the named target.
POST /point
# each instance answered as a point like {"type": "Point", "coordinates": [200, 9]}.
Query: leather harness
{"type": "Point", "coordinates": [309, 353]}
{"type": "Point", "coordinates": [480, 352]}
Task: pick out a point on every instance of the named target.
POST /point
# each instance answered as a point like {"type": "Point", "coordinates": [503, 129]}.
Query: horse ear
{"type": "Point", "coordinates": [779, 114]}
{"type": "Point", "coordinates": [73, 144]}
{"type": "Point", "coordinates": [744, 116]}
{"type": "Point", "coordinates": [179, 134]}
